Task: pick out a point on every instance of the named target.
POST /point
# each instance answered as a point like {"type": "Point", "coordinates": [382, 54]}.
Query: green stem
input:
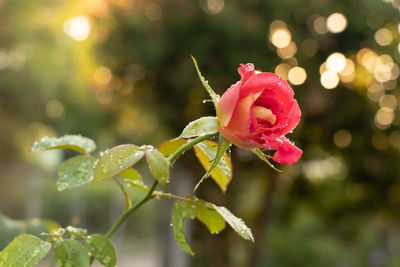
{"type": "Point", "coordinates": [149, 194]}
{"type": "Point", "coordinates": [188, 145]}
{"type": "Point", "coordinates": [128, 201]}
{"type": "Point", "coordinates": [126, 214]}
{"type": "Point", "coordinates": [169, 195]}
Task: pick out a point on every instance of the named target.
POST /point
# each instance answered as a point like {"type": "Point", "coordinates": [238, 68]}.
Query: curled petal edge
{"type": "Point", "coordinates": [286, 151]}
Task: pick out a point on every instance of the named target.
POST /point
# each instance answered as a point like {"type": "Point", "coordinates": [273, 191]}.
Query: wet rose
{"type": "Point", "coordinates": [258, 111]}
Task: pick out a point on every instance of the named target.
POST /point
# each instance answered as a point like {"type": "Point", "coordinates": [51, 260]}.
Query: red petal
{"type": "Point", "coordinates": [246, 71]}
{"type": "Point", "coordinates": [286, 151]}
{"type": "Point", "coordinates": [243, 140]}
{"type": "Point", "coordinates": [260, 82]}
{"type": "Point", "coordinates": [227, 104]}
{"type": "Point", "coordinates": [242, 117]}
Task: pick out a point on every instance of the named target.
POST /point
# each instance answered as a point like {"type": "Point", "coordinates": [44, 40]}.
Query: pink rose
{"type": "Point", "coordinates": [258, 111]}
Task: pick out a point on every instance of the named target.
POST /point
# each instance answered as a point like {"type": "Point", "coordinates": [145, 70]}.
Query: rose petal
{"type": "Point", "coordinates": [259, 82]}
{"type": "Point", "coordinates": [285, 122]}
{"type": "Point", "coordinates": [286, 151]}
{"type": "Point", "coordinates": [227, 104]}
{"type": "Point", "coordinates": [242, 140]}
{"type": "Point", "coordinates": [242, 118]}
{"type": "Point", "coordinates": [246, 71]}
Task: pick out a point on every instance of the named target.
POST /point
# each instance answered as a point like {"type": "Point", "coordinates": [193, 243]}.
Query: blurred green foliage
{"type": "Point", "coordinates": [130, 79]}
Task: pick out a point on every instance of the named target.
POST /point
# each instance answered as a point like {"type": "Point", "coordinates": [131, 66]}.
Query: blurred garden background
{"type": "Point", "coordinates": [119, 71]}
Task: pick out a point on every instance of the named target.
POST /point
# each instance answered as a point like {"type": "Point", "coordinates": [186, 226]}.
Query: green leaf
{"type": "Point", "coordinates": [9, 229]}
{"type": "Point", "coordinates": [169, 147]}
{"type": "Point", "coordinates": [102, 249]}
{"type": "Point", "coordinates": [79, 143]}
{"type": "Point", "coordinates": [75, 172]}
{"type": "Point", "coordinates": [24, 251]}
{"type": "Point", "coordinates": [76, 231]}
{"type": "Point", "coordinates": [215, 161]}
{"type": "Point", "coordinates": [215, 98]}
{"type": "Point", "coordinates": [158, 165]}
{"type": "Point", "coordinates": [200, 127]}
{"type": "Point", "coordinates": [264, 158]}
{"type": "Point", "coordinates": [133, 178]}
{"type": "Point", "coordinates": [182, 210]}
{"type": "Point", "coordinates": [70, 253]}
{"type": "Point", "coordinates": [116, 160]}
{"type": "Point", "coordinates": [37, 226]}
{"type": "Point", "coordinates": [236, 223]}
{"type": "Point", "coordinates": [207, 214]}
{"type": "Point", "coordinates": [121, 184]}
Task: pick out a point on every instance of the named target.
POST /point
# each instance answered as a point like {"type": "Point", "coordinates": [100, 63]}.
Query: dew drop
{"type": "Point", "coordinates": [107, 259]}
{"type": "Point", "coordinates": [62, 186]}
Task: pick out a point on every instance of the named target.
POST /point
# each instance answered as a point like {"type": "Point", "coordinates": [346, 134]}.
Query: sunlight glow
{"type": "Point", "coordinates": [77, 28]}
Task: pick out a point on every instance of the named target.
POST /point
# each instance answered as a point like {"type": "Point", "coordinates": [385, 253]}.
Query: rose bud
{"type": "Point", "coordinates": [258, 111]}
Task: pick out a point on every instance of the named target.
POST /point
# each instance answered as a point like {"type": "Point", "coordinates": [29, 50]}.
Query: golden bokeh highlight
{"type": "Point", "coordinates": [287, 51]}
{"type": "Point", "coordinates": [383, 118]}
{"type": "Point", "coordinates": [382, 73]}
{"type": "Point", "coordinates": [297, 75]}
{"type": "Point", "coordinates": [54, 109]}
{"type": "Point", "coordinates": [383, 68]}
{"type": "Point", "coordinates": [336, 62]}
{"type": "Point", "coordinates": [342, 138]}
{"type": "Point", "coordinates": [78, 28]}
{"type": "Point", "coordinates": [281, 37]}
{"type": "Point", "coordinates": [383, 37]}
{"type": "Point", "coordinates": [349, 68]}
{"type": "Point", "coordinates": [102, 76]}
{"type": "Point", "coordinates": [375, 92]}
{"type": "Point", "coordinates": [368, 59]}
{"type": "Point", "coordinates": [215, 6]}
{"type": "Point", "coordinates": [277, 24]}
{"type": "Point", "coordinates": [282, 70]}
{"type": "Point", "coordinates": [388, 102]}
{"type": "Point", "coordinates": [322, 68]}
{"type": "Point", "coordinates": [348, 73]}
{"type": "Point", "coordinates": [329, 79]}
{"type": "Point", "coordinates": [319, 25]}
{"type": "Point", "coordinates": [336, 23]}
